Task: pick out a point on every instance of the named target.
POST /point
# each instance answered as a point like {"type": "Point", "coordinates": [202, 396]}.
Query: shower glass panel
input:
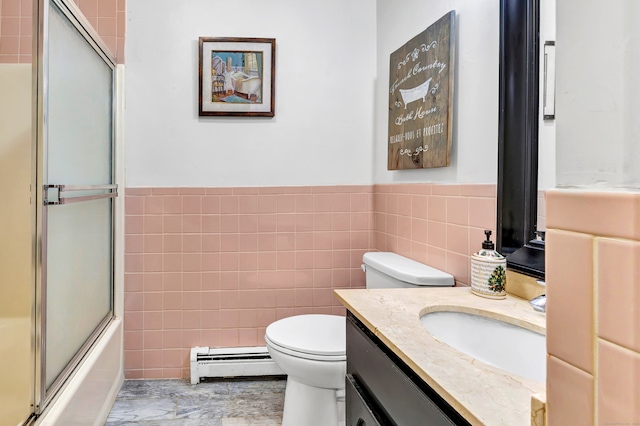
{"type": "Point", "coordinates": [77, 217]}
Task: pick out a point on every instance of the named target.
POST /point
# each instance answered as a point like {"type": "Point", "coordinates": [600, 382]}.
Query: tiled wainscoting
{"type": "Point", "coordinates": [215, 266]}
{"type": "Point", "coordinates": [593, 309]}
{"type": "Point", "coordinates": [440, 225]}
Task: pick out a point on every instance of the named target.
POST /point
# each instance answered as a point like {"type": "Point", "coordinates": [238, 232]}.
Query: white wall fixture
{"type": "Point", "coordinates": [549, 90]}
{"type": "Point", "coordinates": [231, 362]}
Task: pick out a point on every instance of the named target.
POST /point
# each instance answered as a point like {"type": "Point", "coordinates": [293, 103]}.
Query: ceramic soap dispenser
{"type": "Point", "coordinates": [489, 271]}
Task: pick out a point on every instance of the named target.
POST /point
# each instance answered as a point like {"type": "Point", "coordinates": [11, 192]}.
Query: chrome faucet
{"type": "Point", "coordinates": [539, 303]}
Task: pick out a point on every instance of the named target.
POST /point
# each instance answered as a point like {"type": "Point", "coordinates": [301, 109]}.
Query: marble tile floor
{"type": "Point", "coordinates": [233, 402]}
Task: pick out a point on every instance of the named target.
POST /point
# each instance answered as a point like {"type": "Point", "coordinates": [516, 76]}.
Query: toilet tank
{"type": "Point", "coordinates": [390, 270]}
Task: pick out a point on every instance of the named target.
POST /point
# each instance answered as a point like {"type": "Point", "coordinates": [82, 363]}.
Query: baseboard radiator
{"type": "Point", "coordinates": [231, 362]}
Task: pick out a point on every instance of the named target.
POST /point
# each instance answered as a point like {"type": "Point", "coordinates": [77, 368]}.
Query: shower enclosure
{"type": "Point", "coordinates": [75, 203]}
{"type": "Point", "coordinates": [67, 263]}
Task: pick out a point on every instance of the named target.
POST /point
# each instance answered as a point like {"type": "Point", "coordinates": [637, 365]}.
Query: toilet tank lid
{"type": "Point", "coordinates": [407, 270]}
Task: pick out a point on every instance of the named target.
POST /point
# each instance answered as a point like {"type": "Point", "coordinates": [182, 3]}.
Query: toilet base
{"type": "Point", "coordinates": [311, 406]}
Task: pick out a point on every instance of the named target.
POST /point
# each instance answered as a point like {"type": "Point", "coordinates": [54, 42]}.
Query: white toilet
{"type": "Point", "coordinates": [311, 349]}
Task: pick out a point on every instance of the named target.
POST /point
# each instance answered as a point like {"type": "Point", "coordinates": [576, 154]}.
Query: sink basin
{"type": "Point", "coordinates": [505, 346]}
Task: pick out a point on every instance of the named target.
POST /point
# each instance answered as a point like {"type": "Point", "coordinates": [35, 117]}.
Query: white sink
{"type": "Point", "coordinates": [505, 346]}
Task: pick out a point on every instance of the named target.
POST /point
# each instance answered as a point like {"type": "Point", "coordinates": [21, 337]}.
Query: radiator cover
{"type": "Point", "coordinates": [231, 362]}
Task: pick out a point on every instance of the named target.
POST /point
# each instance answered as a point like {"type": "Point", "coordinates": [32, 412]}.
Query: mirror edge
{"type": "Point", "coordinates": [518, 137]}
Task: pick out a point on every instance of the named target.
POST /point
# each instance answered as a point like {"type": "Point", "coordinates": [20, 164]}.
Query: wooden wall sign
{"type": "Point", "coordinates": [421, 98]}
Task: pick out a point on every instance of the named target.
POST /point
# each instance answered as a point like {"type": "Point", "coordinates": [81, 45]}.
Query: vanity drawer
{"type": "Point", "coordinates": [393, 388]}
{"type": "Point", "coordinates": [359, 413]}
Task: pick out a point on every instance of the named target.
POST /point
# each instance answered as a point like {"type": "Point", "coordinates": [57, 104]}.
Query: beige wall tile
{"type": "Point", "coordinates": [458, 239]}
{"type": "Point", "coordinates": [570, 395]}
{"type": "Point", "coordinates": [93, 10]}
{"type": "Point", "coordinates": [569, 272]}
{"type": "Point", "coordinates": [458, 210]}
{"type": "Point", "coordinates": [482, 212]}
{"type": "Point", "coordinates": [478, 190]}
{"type": "Point", "coordinates": [445, 189]}
{"type": "Point", "coordinates": [296, 243]}
{"type": "Point", "coordinates": [618, 385]}
{"type": "Point", "coordinates": [611, 214]}
{"type": "Point", "coordinates": [619, 288]}
{"type": "Point", "coordinates": [438, 208]}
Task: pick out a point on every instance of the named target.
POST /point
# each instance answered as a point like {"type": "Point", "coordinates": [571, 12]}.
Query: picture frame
{"type": "Point", "coordinates": [236, 76]}
{"type": "Point", "coordinates": [421, 96]}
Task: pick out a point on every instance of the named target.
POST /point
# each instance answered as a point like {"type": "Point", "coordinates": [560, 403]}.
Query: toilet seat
{"type": "Point", "coordinates": [305, 355]}
{"type": "Point", "coordinates": [314, 336]}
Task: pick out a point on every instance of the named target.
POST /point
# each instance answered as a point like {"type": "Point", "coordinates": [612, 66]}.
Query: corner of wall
{"type": "Point", "coordinates": [593, 307]}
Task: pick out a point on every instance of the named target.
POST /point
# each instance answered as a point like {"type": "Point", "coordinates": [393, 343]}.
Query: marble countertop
{"type": "Point", "coordinates": [483, 394]}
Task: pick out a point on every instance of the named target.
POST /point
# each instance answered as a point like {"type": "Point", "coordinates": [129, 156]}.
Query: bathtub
{"type": "Point", "coordinates": [91, 391]}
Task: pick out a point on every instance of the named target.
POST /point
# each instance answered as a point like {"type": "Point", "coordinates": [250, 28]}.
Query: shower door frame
{"type": "Point", "coordinates": [43, 396]}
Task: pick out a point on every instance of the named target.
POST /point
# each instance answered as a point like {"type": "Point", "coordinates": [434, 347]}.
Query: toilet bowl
{"type": "Point", "coordinates": [311, 349]}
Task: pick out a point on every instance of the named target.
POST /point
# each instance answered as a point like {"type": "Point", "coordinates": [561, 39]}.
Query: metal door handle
{"type": "Point", "coordinates": [62, 196]}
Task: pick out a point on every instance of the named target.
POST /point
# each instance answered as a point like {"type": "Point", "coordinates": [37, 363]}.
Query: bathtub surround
{"type": "Point", "coordinates": [593, 266]}
{"type": "Point", "coordinates": [16, 290]}
{"type": "Point", "coordinates": [15, 31]}
{"type": "Point", "coordinates": [215, 266]}
{"type": "Point", "coordinates": [106, 16]}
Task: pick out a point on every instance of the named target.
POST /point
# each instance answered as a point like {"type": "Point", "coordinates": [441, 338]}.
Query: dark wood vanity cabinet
{"type": "Point", "coordinates": [382, 390]}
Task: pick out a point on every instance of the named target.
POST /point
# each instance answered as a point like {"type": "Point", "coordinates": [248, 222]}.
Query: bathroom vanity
{"type": "Point", "coordinates": [375, 378]}
{"type": "Point", "coordinates": [398, 373]}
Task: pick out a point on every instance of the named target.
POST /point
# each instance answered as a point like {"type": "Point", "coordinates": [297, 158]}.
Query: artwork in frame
{"type": "Point", "coordinates": [421, 83]}
{"type": "Point", "coordinates": [237, 76]}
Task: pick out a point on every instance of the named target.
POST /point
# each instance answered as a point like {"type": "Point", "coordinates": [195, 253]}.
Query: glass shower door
{"type": "Point", "coordinates": [77, 178]}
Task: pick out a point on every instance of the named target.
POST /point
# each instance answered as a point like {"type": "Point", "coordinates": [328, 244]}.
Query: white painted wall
{"type": "Point", "coordinates": [598, 82]}
{"type": "Point", "coordinates": [325, 70]}
{"type": "Point", "coordinates": [474, 156]}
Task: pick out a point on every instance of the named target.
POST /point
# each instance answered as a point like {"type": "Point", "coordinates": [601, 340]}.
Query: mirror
{"type": "Point", "coordinates": [518, 137]}
{"type": "Point", "coordinates": [547, 122]}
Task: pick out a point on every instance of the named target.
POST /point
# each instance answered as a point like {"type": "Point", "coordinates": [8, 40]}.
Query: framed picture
{"type": "Point", "coordinates": [421, 84]}
{"type": "Point", "coordinates": [237, 76]}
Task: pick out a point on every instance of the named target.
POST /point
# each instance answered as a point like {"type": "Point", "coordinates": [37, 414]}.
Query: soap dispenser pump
{"type": "Point", "coordinates": [489, 271]}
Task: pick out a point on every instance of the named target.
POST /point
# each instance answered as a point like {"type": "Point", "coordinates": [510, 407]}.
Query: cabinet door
{"type": "Point", "coordinates": [392, 392]}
